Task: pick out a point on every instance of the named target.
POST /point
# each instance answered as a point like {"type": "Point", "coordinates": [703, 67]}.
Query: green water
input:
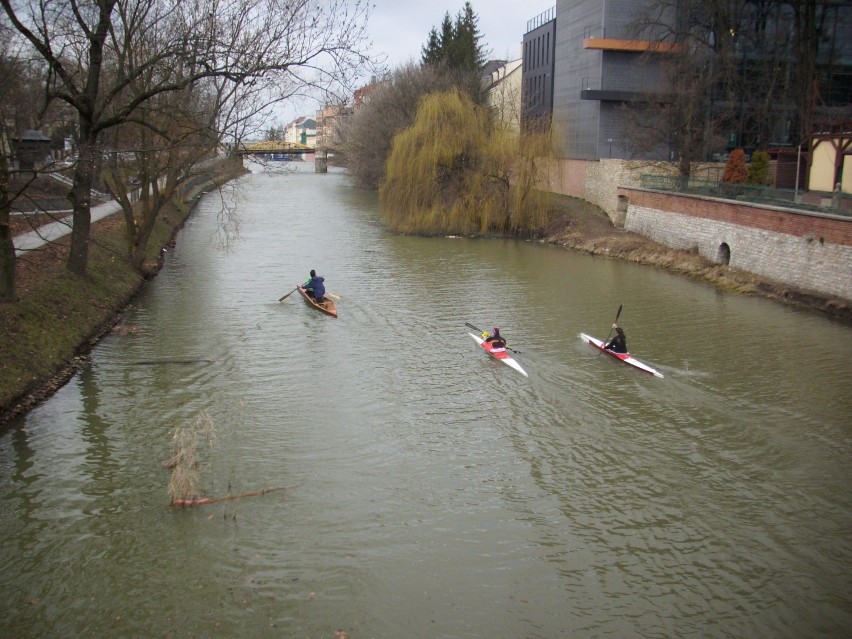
{"type": "Point", "coordinates": [432, 491]}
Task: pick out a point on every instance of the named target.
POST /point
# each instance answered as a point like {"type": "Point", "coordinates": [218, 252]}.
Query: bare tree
{"type": "Point", "coordinates": [368, 132]}
{"type": "Point", "coordinates": [90, 47]}
{"type": "Point", "coordinates": [674, 122]}
{"type": "Point", "coordinates": [152, 159]}
{"type": "Point", "coordinates": [733, 74]}
{"type": "Point", "coordinates": [17, 101]}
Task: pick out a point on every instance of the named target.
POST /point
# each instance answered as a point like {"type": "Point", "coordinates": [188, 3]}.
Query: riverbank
{"type": "Point", "coordinates": [58, 317]}
{"type": "Point", "coordinates": [582, 226]}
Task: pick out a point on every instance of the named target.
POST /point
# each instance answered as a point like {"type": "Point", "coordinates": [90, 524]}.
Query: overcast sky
{"type": "Point", "coordinates": [399, 28]}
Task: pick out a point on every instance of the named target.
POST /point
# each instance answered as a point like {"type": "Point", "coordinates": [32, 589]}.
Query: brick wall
{"type": "Point", "coordinates": [808, 250]}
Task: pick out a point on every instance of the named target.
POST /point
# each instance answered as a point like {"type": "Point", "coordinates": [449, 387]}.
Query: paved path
{"type": "Point", "coordinates": [54, 230]}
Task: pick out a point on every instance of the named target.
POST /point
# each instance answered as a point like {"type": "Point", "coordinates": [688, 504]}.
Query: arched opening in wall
{"type": "Point", "coordinates": [724, 254]}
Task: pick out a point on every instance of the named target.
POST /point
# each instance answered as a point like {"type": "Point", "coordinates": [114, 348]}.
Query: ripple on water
{"type": "Point", "coordinates": [429, 486]}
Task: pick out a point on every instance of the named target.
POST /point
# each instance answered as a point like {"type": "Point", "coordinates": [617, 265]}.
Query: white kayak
{"type": "Point", "coordinates": [627, 358]}
{"type": "Point", "coordinates": [499, 353]}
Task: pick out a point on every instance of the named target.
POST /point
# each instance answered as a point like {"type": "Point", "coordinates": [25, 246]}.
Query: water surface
{"type": "Point", "coordinates": [431, 491]}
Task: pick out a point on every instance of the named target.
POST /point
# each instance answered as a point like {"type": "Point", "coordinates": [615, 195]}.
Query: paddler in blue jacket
{"type": "Point", "coordinates": [315, 287]}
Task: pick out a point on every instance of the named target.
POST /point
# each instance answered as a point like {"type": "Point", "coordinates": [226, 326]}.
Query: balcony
{"type": "Point", "coordinates": [615, 89]}
{"type": "Point", "coordinates": [596, 38]}
{"type": "Point", "coordinates": [630, 46]}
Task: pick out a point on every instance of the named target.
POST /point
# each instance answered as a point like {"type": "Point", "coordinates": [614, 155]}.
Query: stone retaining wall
{"type": "Point", "coordinates": [808, 250]}
{"type": "Point", "coordinates": [598, 181]}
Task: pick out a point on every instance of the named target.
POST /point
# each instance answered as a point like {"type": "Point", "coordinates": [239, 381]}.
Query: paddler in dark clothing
{"type": "Point", "coordinates": [314, 287]}
{"type": "Point", "coordinates": [495, 339]}
{"type": "Point", "coordinates": [618, 344]}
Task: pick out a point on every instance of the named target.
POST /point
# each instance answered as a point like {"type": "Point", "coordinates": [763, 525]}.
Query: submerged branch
{"type": "Point", "coordinates": [185, 503]}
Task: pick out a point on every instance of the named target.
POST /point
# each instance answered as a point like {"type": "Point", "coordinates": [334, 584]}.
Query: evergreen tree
{"type": "Point", "coordinates": [457, 45]}
{"type": "Point", "coordinates": [447, 38]}
{"type": "Point", "coordinates": [432, 50]}
{"type": "Point", "coordinates": [467, 52]}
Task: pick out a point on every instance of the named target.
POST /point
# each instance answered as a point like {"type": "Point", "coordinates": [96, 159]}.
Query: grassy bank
{"type": "Point", "coordinates": [58, 316]}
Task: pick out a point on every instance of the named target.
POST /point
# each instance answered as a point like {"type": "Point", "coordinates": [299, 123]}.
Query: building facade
{"type": "Point", "coordinates": [539, 58]}
{"type": "Point", "coordinates": [302, 130]}
{"type": "Point", "coordinates": [599, 69]}
{"type": "Point", "coordinates": [598, 65]}
{"type": "Point", "coordinates": [503, 86]}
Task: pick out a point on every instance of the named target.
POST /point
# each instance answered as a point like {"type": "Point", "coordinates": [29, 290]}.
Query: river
{"type": "Point", "coordinates": [428, 490]}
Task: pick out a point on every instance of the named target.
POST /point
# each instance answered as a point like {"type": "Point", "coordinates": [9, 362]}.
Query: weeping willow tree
{"type": "Point", "coordinates": [456, 171]}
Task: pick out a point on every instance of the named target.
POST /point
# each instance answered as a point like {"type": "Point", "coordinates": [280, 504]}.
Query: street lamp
{"type": "Point", "coordinates": [610, 146]}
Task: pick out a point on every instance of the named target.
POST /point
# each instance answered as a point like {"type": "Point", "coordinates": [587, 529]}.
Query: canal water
{"type": "Point", "coordinates": [428, 490]}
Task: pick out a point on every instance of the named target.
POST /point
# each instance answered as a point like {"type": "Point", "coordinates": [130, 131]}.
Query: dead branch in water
{"type": "Point", "coordinates": [183, 461]}
{"type": "Point", "coordinates": [184, 503]}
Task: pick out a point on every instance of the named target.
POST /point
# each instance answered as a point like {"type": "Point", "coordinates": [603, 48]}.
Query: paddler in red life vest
{"type": "Point", "coordinates": [618, 344]}
{"type": "Point", "coordinates": [495, 339]}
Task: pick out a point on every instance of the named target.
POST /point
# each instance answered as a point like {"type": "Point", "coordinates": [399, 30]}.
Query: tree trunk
{"type": "Point", "coordinates": [7, 254]}
{"type": "Point", "coordinates": [81, 202]}
{"type": "Point", "coordinates": [7, 247]}
{"type": "Point", "coordinates": [143, 234]}
{"type": "Point", "coordinates": [807, 47]}
{"type": "Point", "coordinates": [684, 168]}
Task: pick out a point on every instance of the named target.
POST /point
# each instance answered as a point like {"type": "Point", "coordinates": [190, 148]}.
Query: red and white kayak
{"type": "Point", "coordinates": [627, 358]}
{"type": "Point", "coordinates": [499, 353]}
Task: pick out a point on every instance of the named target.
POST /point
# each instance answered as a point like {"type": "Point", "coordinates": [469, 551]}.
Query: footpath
{"type": "Point", "coordinates": [52, 231]}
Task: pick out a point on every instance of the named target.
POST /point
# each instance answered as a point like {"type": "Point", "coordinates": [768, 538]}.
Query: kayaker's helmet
{"type": "Point", "coordinates": [619, 330]}
{"type": "Point", "coordinates": [313, 273]}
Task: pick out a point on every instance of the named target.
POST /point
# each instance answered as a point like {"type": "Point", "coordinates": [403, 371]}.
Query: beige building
{"type": "Point", "coordinates": [326, 126]}
{"type": "Point", "coordinates": [302, 130]}
{"type": "Point", "coordinates": [504, 93]}
{"type": "Point", "coordinates": [830, 162]}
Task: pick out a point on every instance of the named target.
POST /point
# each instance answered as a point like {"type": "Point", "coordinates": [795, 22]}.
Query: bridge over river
{"type": "Point", "coordinates": [276, 148]}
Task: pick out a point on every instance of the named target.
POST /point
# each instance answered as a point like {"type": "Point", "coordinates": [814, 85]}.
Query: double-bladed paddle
{"type": "Point", "coordinates": [479, 330]}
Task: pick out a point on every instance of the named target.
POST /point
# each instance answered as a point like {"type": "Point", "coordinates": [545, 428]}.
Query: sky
{"type": "Point", "coordinates": [399, 28]}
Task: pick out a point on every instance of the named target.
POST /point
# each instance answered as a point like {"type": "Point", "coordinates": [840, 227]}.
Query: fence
{"type": "Point", "coordinates": [839, 203]}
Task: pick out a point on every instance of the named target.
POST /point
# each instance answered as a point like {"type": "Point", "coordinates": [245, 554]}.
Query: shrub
{"type": "Point", "coordinates": [758, 169]}
{"type": "Point", "coordinates": [735, 171]}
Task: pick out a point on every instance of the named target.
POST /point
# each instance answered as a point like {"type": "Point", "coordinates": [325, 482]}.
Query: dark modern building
{"type": "Point", "coordinates": [599, 69]}
{"type": "Point", "coordinates": [583, 63]}
{"type": "Point", "coordinates": [538, 67]}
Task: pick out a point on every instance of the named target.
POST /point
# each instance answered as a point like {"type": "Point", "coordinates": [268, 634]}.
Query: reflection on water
{"type": "Point", "coordinates": [432, 491]}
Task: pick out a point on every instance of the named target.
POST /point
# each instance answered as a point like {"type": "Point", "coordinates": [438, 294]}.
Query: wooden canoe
{"type": "Point", "coordinates": [327, 306]}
